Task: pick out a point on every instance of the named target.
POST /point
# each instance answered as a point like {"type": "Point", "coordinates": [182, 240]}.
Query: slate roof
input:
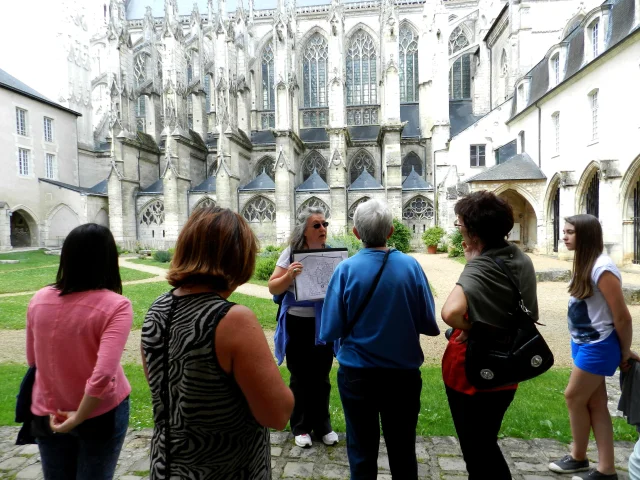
{"type": "Point", "coordinates": [364, 132]}
{"type": "Point", "coordinates": [313, 183]}
{"type": "Point", "coordinates": [461, 116]}
{"type": "Point", "coordinates": [261, 182]}
{"type": "Point", "coordinates": [415, 182]}
{"type": "Point", "coordinates": [314, 135]}
{"type": "Point", "coordinates": [99, 189]}
{"type": "Point", "coordinates": [157, 187]}
{"type": "Point", "coordinates": [518, 167]}
{"type": "Point", "coordinates": [12, 83]}
{"type": "Point", "coordinates": [365, 182]}
{"type": "Point", "coordinates": [208, 186]}
{"type": "Point", "coordinates": [410, 113]}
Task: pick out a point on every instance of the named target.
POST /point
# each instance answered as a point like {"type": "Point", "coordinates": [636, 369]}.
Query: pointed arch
{"type": "Point", "coordinates": [408, 62]}
{"type": "Point", "coordinates": [360, 161]}
{"type": "Point", "coordinates": [204, 202]}
{"type": "Point", "coordinates": [460, 78]}
{"type": "Point", "coordinates": [362, 68]}
{"type": "Point", "coordinates": [23, 227]}
{"type": "Point", "coordinates": [354, 206]}
{"type": "Point", "coordinates": [589, 174]}
{"type": "Point", "coordinates": [315, 202]}
{"type": "Point", "coordinates": [418, 208]}
{"type": "Point", "coordinates": [315, 58]}
{"type": "Point", "coordinates": [551, 212]}
{"type": "Point", "coordinates": [314, 161]}
{"type": "Point", "coordinates": [259, 209]}
{"type": "Point", "coordinates": [521, 191]}
{"type": "Point", "coordinates": [102, 218]}
{"type": "Point", "coordinates": [410, 160]}
{"type": "Point", "coordinates": [152, 213]}
{"type": "Point", "coordinates": [268, 164]}
{"type": "Point", "coordinates": [458, 40]}
{"type": "Point", "coordinates": [60, 221]}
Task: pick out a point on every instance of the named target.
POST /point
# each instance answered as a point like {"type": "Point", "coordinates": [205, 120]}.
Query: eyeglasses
{"type": "Point", "coordinates": [318, 225]}
{"type": "Point", "coordinates": [458, 225]}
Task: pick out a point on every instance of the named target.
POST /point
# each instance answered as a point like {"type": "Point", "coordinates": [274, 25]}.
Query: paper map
{"type": "Point", "coordinates": [318, 265]}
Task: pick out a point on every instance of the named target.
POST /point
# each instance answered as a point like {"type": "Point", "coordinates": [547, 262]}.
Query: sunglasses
{"type": "Point", "coordinates": [317, 225]}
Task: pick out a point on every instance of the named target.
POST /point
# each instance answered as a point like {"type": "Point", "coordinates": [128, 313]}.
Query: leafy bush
{"type": "Point", "coordinates": [274, 249]}
{"type": "Point", "coordinates": [401, 238]}
{"type": "Point", "coordinates": [265, 265]}
{"type": "Point", "coordinates": [455, 244]}
{"type": "Point", "coordinates": [121, 250]}
{"type": "Point", "coordinates": [348, 241]}
{"type": "Point", "coordinates": [432, 236]}
{"type": "Point", "coordinates": [162, 256]}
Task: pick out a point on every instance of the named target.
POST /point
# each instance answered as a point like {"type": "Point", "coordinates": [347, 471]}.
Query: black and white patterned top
{"type": "Point", "coordinates": [199, 410]}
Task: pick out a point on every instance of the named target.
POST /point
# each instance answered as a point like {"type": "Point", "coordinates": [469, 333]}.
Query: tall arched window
{"type": "Point", "coordinates": [207, 92]}
{"type": "Point", "coordinates": [361, 70]}
{"type": "Point", "coordinates": [408, 65]}
{"type": "Point", "coordinates": [268, 165]}
{"type": "Point", "coordinates": [259, 209]}
{"type": "Point", "coordinates": [314, 161]}
{"type": "Point", "coordinates": [412, 160]}
{"type": "Point", "coordinates": [153, 214]}
{"type": "Point", "coordinates": [460, 81]}
{"type": "Point", "coordinates": [314, 71]}
{"type": "Point", "coordinates": [268, 88]}
{"type": "Point", "coordinates": [315, 202]}
{"type": "Point", "coordinates": [363, 160]}
{"type": "Point", "coordinates": [204, 203]}
{"type": "Point", "coordinates": [458, 40]}
{"type": "Point", "coordinates": [352, 209]}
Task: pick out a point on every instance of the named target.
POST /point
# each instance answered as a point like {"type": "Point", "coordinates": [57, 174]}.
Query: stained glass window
{"type": "Point", "coordinates": [314, 161]}
{"type": "Point", "coordinates": [411, 160]}
{"type": "Point", "coordinates": [363, 160]}
{"type": "Point", "coordinates": [314, 71]}
{"type": "Point", "coordinates": [361, 70]}
{"type": "Point", "coordinates": [268, 87]}
{"type": "Point", "coordinates": [352, 209]}
{"type": "Point", "coordinates": [457, 41]}
{"type": "Point", "coordinates": [153, 213]}
{"type": "Point", "coordinates": [268, 165]}
{"type": "Point", "coordinates": [205, 202]}
{"type": "Point", "coordinates": [259, 209]}
{"type": "Point", "coordinates": [460, 81]}
{"type": "Point", "coordinates": [418, 208]}
{"type": "Point", "coordinates": [315, 202]}
{"type": "Point", "coordinates": [408, 65]}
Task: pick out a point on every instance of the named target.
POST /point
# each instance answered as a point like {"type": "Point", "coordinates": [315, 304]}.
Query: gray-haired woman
{"type": "Point", "coordinates": [309, 360]}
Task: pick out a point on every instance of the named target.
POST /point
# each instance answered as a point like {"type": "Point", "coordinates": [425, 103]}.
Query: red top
{"type": "Point", "coordinates": [453, 372]}
{"type": "Point", "coordinates": [76, 342]}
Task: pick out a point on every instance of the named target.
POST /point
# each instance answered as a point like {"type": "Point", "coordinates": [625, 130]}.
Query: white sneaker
{"type": "Point", "coordinates": [330, 438]}
{"type": "Point", "coordinates": [304, 440]}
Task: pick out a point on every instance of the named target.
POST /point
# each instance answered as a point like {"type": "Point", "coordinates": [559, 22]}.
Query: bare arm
{"type": "Point", "coordinates": [242, 349]}
{"type": "Point", "coordinates": [611, 288]}
{"type": "Point", "coordinates": [62, 422]}
{"type": "Point", "coordinates": [282, 278]}
{"type": "Point", "coordinates": [455, 308]}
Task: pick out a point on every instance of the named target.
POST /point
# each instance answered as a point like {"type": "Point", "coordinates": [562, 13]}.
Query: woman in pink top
{"type": "Point", "coordinates": [76, 332]}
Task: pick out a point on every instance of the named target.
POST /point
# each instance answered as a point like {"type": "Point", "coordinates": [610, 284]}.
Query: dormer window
{"type": "Point", "coordinates": [595, 26]}
{"type": "Point", "coordinates": [555, 68]}
{"type": "Point", "coordinates": [523, 95]}
{"type": "Point", "coordinates": [594, 38]}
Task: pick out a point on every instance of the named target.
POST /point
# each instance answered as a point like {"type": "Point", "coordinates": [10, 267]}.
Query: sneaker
{"type": "Point", "coordinates": [594, 474]}
{"type": "Point", "coordinates": [567, 464]}
{"type": "Point", "coordinates": [304, 440]}
{"type": "Point", "coordinates": [330, 438]}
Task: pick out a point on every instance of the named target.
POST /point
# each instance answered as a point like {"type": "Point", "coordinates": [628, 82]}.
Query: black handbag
{"type": "Point", "coordinates": [23, 408]}
{"type": "Point", "coordinates": [497, 357]}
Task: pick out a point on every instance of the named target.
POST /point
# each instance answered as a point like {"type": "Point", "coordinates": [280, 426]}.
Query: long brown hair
{"type": "Point", "coordinates": [589, 246]}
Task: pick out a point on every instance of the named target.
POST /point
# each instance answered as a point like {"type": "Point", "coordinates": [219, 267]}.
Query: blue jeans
{"type": "Point", "coordinates": [387, 396]}
{"type": "Point", "coordinates": [89, 451]}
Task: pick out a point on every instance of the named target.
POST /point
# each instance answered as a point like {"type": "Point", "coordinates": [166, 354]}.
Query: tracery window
{"type": "Point", "coordinates": [352, 209]}
{"type": "Point", "coordinates": [363, 160]}
{"type": "Point", "coordinates": [408, 65]}
{"type": "Point", "coordinates": [189, 71]}
{"type": "Point", "coordinates": [260, 209]}
{"type": "Point", "coordinates": [460, 81]}
{"type": "Point", "coordinates": [267, 164]}
{"type": "Point", "coordinates": [314, 161]}
{"type": "Point", "coordinates": [205, 202]}
{"type": "Point", "coordinates": [268, 87]}
{"type": "Point", "coordinates": [315, 202]}
{"type": "Point", "coordinates": [411, 160]}
{"type": "Point", "coordinates": [153, 213]}
{"type": "Point", "coordinates": [418, 208]}
{"type": "Point", "coordinates": [314, 71]}
{"type": "Point", "coordinates": [361, 70]}
{"type": "Point", "coordinates": [458, 40]}
{"type": "Point", "coordinates": [207, 92]}
{"type": "Point", "coordinates": [139, 69]}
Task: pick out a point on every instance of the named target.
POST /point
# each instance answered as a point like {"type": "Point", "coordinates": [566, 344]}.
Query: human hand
{"type": "Point", "coordinates": [626, 356]}
{"type": "Point", "coordinates": [294, 270]}
{"type": "Point", "coordinates": [63, 422]}
{"type": "Point", "coordinates": [470, 251]}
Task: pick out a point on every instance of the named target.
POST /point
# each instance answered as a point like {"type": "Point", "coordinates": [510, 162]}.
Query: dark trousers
{"type": "Point", "coordinates": [88, 452]}
{"type": "Point", "coordinates": [309, 365]}
{"type": "Point", "coordinates": [477, 419]}
{"type": "Point", "coordinates": [371, 396]}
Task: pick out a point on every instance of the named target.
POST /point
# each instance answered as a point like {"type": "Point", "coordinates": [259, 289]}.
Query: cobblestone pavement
{"type": "Point", "coordinates": [439, 458]}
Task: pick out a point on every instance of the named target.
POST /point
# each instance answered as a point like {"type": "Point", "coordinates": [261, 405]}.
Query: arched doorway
{"type": "Point", "coordinates": [525, 221]}
{"type": "Point", "coordinates": [20, 230]}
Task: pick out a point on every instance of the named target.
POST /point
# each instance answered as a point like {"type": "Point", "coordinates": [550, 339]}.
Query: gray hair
{"type": "Point", "coordinates": [297, 241]}
{"type": "Point", "coordinates": [374, 221]}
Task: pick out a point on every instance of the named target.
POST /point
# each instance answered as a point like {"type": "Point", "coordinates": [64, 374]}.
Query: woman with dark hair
{"type": "Point", "coordinates": [76, 332]}
{"type": "Point", "coordinates": [309, 359]}
{"type": "Point", "coordinates": [601, 331]}
{"type": "Point", "coordinates": [483, 296]}
{"type": "Point", "coordinates": [215, 388]}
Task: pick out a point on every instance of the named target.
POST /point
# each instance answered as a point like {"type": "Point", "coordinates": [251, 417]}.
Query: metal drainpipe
{"type": "Point", "coordinates": [490, 80]}
{"type": "Point", "coordinates": [539, 136]}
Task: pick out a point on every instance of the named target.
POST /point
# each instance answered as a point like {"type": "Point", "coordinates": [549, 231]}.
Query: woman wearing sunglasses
{"type": "Point", "coordinates": [309, 360]}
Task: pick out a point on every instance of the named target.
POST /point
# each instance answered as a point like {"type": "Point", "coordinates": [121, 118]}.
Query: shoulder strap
{"type": "Point", "coordinates": [514, 282]}
{"type": "Point", "coordinates": [363, 305]}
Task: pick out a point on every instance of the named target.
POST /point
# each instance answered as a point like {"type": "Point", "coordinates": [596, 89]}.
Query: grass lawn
{"type": "Point", "coordinates": [142, 296]}
{"type": "Point", "coordinates": [538, 410]}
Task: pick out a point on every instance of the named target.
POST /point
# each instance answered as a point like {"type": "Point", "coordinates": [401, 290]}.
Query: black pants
{"type": "Point", "coordinates": [477, 419]}
{"type": "Point", "coordinates": [371, 396]}
{"type": "Point", "coordinates": [309, 365]}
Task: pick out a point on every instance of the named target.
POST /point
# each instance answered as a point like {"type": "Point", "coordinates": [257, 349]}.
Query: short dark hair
{"type": "Point", "coordinates": [486, 216]}
{"type": "Point", "coordinates": [216, 247]}
{"type": "Point", "coordinates": [88, 261]}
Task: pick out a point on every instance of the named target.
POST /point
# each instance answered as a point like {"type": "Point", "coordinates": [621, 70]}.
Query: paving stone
{"type": "Point", "coordinates": [383, 461]}
{"type": "Point", "coordinates": [452, 464]}
{"type": "Point", "coordinates": [141, 465]}
{"type": "Point", "coordinates": [13, 463]}
{"type": "Point", "coordinates": [29, 450]}
{"type": "Point", "coordinates": [276, 451]}
{"type": "Point", "coordinates": [298, 470]}
{"type": "Point", "coordinates": [332, 470]}
{"type": "Point", "coordinates": [32, 472]}
{"type": "Point", "coordinates": [303, 453]}
{"type": "Point", "coordinates": [278, 438]}
{"type": "Point", "coordinates": [531, 467]}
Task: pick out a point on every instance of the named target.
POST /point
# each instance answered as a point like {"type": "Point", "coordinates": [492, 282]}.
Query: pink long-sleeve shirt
{"type": "Point", "coordinates": [76, 342]}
